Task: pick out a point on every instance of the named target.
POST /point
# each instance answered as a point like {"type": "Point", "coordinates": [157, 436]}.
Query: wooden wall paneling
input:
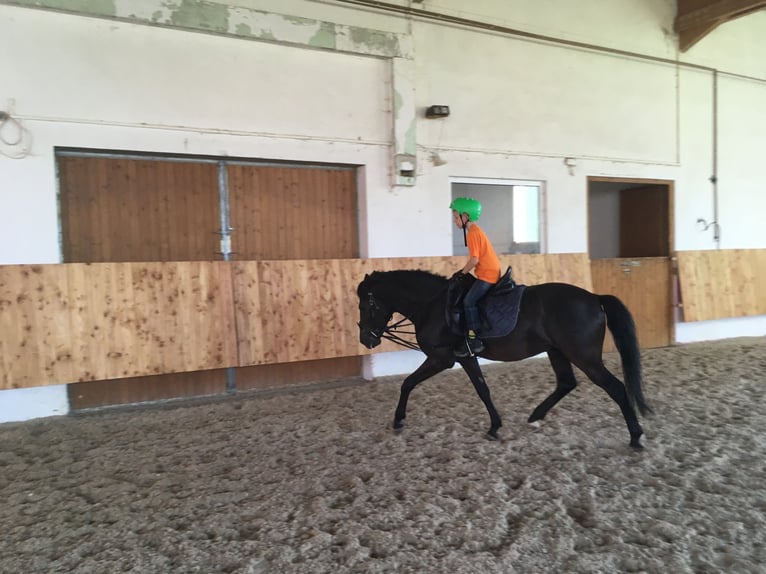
{"type": "Point", "coordinates": [100, 393]}
{"type": "Point", "coordinates": [281, 375]}
{"type": "Point", "coordinates": [78, 322]}
{"type": "Point", "coordinates": [644, 286]}
{"type": "Point", "coordinates": [527, 269]}
{"type": "Point", "coordinates": [185, 315]}
{"type": "Point", "coordinates": [571, 268]}
{"type": "Point", "coordinates": [276, 328]}
{"type": "Point", "coordinates": [303, 316]}
{"type": "Point", "coordinates": [35, 347]}
{"type": "Point", "coordinates": [84, 322]}
{"type": "Point", "coordinates": [248, 312]}
{"type": "Point", "coordinates": [718, 284]}
{"type": "Point", "coordinates": [758, 280]}
{"type": "Point", "coordinates": [749, 296]}
{"type": "Point", "coordinates": [102, 345]}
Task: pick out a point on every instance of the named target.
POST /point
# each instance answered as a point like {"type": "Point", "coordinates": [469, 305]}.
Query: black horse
{"type": "Point", "coordinates": [564, 321]}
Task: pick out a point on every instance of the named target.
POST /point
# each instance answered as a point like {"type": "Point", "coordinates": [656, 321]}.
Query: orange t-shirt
{"type": "Point", "coordinates": [488, 268]}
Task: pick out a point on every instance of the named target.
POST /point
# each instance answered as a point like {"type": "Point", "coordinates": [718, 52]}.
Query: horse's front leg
{"type": "Point", "coordinates": [471, 366]}
{"type": "Point", "coordinates": [430, 367]}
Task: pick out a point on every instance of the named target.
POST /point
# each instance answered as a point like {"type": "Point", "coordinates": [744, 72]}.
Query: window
{"type": "Point", "coordinates": [511, 214]}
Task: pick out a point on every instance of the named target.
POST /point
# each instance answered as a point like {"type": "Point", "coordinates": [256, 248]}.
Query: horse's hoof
{"type": "Point", "coordinates": [492, 435]}
{"type": "Point", "coordinates": [635, 442]}
{"type": "Point", "coordinates": [398, 426]}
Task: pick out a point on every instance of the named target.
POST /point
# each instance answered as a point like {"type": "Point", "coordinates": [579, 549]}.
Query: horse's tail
{"type": "Point", "coordinates": [620, 323]}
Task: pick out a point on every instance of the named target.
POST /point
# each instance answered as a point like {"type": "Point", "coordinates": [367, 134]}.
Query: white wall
{"type": "Point", "coordinates": [84, 82]}
{"type": "Point", "coordinates": [519, 107]}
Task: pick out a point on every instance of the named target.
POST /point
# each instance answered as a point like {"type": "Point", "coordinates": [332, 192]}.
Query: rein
{"type": "Point", "coordinates": [392, 332]}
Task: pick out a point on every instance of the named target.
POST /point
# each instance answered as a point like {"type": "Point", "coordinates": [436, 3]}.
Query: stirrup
{"type": "Point", "coordinates": [475, 345]}
{"type": "Point", "coordinates": [469, 347]}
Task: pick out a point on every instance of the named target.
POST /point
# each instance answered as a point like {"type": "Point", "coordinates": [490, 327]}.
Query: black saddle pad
{"type": "Point", "coordinates": [498, 309]}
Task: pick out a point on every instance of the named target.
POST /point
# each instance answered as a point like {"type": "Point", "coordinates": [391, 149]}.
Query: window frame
{"type": "Point", "coordinates": [509, 183]}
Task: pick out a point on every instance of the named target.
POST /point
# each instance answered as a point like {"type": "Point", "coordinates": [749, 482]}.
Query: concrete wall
{"type": "Point", "coordinates": [314, 81]}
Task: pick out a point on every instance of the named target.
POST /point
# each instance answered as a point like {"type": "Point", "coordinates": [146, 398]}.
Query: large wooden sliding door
{"type": "Point", "coordinates": [284, 212]}
{"type": "Point", "coordinates": [116, 210]}
{"type": "Point", "coordinates": [130, 208]}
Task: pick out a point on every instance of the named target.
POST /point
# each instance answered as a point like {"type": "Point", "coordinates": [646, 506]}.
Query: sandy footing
{"type": "Point", "coordinates": [317, 482]}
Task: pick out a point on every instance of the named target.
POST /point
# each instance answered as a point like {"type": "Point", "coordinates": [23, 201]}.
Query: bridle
{"type": "Point", "coordinates": [390, 332]}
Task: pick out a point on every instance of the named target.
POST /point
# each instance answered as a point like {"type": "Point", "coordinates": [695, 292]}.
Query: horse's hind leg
{"type": "Point", "coordinates": [429, 368]}
{"type": "Point", "coordinates": [565, 383]}
{"type": "Point", "coordinates": [600, 375]}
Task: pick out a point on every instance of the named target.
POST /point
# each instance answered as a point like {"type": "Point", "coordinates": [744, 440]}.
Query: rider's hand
{"type": "Point", "coordinates": [457, 276]}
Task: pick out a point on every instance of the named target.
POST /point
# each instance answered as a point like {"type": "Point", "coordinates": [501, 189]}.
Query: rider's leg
{"type": "Point", "coordinates": [472, 319]}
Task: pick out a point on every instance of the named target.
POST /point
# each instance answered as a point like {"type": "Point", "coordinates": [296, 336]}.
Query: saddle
{"type": "Point", "coordinates": [498, 309]}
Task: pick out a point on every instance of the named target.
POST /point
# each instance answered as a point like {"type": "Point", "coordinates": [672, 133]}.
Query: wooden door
{"type": "Point", "coordinates": [644, 221]}
{"type": "Point", "coordinates": [645, 286]}
{"type": "Point", "coordinates": [642, 273]}
{"type": "Point", "coordinates": [141, 209]}
{"type": "Point", "coordinates": [115, 210]}
{"type": "Point", "coordinates": [292, 212]}
{"type": "Point", "coordinates": [123, 209]}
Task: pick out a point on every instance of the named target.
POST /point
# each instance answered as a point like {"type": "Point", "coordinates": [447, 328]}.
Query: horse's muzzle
{"type": "Point", "coordinates": [368, 338]}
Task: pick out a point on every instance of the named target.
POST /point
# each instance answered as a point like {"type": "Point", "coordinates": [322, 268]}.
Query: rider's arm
{"type": "Point", "coordinates": [470, 264]}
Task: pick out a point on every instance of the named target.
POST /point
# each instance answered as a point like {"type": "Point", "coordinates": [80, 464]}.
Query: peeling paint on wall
{"type": "Point", "coordinates": [100, 7]}
{"type": "Point", "coordinates": [202, 15]}
{"type": "Point", "coordinates": [375, 40]}
{"type": "Point", "coordinates": [325, 37]}
{"type": "Point", "coordinates": [237, 21]}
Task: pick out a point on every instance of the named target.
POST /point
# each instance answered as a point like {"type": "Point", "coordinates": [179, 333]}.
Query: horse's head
{"type": "Point", "coordinates": [374, 314]}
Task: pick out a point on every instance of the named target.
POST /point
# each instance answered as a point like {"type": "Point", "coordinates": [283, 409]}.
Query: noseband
{"type": "Point", "coordinates": [390, 332]}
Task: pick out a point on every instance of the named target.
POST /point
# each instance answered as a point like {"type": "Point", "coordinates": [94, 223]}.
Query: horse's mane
{"type": "Point", "coordinates": [412, 277]}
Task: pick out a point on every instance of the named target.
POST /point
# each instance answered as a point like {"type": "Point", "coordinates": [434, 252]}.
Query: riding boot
{"type": "Point", "coordinates": [475, 345]}
{"type": "Point", "coordinates": [469, 347]}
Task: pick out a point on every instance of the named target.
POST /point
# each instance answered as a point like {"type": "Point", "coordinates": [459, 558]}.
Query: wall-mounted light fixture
{"type": "Point", "coordinates": [437, 112]}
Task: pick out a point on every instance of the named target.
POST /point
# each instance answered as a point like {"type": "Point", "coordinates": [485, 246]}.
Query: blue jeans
{"type": "Point", "coordinates": [471, 303]}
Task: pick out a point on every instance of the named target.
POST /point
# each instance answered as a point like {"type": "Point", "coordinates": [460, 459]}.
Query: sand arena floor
{"type": "Point", "coordinates": [317, 482]}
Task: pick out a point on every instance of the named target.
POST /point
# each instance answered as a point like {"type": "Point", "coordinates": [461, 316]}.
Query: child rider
{"type": "Point", "coordinates": [482, 260]}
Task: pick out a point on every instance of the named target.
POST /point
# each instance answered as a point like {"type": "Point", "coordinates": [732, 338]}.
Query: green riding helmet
{"type": "Point", "coordinates": [467, 205]}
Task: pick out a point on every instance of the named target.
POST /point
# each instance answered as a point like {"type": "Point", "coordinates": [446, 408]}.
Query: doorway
{"type": "Point", "coordinates": [630, 238]}
{"type": "Point", "coordinates": [123, 206]}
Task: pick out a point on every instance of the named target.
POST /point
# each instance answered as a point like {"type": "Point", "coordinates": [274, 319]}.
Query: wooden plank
{"type": "Point", "coordinates": [138, 210]}
{"type": "Point", "coordinates": [85, 322]}
{"type": "Point", "coordinates": [100, 393]}
{"type": "Point", "coordinates": [35, 347]}
{"type": "Point", "coordinates": [697, 18]}
{"type": "Point", "coordinates": [644, 285]}
{"type": "Point", "coordinates": [700, 12]}
{"type": "Point", "coordinates": [718, 284]}
{"type": "Point", "coordinates": [289, 212]}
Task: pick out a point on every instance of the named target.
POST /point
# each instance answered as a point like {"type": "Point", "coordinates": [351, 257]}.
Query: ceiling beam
{"type": "Point", "coordinates": [697, 18]}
